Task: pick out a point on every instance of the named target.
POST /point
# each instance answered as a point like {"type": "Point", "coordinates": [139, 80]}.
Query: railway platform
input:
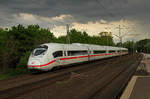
{"type": "Point", "coordinates": [139, 86]}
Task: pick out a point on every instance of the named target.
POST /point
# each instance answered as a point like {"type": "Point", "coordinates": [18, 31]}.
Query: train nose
{"type": "Point", "coordinates": [33, 63]}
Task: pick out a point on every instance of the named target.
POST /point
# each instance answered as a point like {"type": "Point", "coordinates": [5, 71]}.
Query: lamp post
{"type": "Point", "coordinates": [68, 33]}
{"type": "Point", "coordinates": [107, 39]}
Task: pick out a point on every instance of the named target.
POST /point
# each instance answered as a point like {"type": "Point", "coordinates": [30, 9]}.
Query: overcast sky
{"type": "Point", "coordinates": [92, 16]}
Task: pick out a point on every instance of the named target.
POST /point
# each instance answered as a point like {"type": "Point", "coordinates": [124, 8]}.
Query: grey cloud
{"type": "Point", "coordinates": [82, 11]}
{"type": "Point", "coordinates": [86, 8]}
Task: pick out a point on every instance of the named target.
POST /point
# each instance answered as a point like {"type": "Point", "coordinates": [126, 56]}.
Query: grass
{"type": "Point", "coordinates": [5, 76]}
{"type": "Point", "coordinates": [12, 73]}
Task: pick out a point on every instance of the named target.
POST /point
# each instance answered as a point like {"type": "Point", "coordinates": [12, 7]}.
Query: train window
{"type": "Point", "coordinates": [40, 50]}
{"type": "Point", "coordinates": [58, 54]}
{"type": "Point", "coordinates": [124, 51]}
{"type": "Point", "coordinates": [99, 51]}
{"type": "Point", "coordinates": [90, 52]}
{"type": "Point", "coordinates": [76, 53]}
{"type": "Point", "coordinates": [112, 51]}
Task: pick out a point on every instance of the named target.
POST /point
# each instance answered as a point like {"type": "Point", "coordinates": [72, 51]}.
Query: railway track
{"type": "Point", "coordinates": [116, 83]}
{"type": "Point", "coordinates": [36, 82]}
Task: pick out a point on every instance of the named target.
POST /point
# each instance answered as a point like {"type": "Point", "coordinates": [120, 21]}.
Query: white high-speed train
{"type": "Point", "coordinates": [50, 55]}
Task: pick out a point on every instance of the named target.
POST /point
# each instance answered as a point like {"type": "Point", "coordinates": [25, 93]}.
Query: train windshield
{"type": "Point", "coordinates": [40, 50]}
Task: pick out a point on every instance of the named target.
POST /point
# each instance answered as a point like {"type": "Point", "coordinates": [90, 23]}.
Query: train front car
{"type": "Point", "coordinates": [38, 60]}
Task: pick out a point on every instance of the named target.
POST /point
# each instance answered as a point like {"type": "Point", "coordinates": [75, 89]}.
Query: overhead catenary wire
{"type": "Point", "coordinates": [111, 14]}
{"type": "Point", "coordinates": [101, 5]}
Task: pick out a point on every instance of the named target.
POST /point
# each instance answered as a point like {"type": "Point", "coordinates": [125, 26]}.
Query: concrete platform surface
{"type": "Point", "coordinates": [139, 86]}
{"type": "Point", "coordinates": [141, 89]}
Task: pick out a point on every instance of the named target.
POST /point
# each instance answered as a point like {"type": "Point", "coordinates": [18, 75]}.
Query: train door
{"type": "Point", "coordinates": [62, 60]}
{"type": "Point", "coordinates": [57, 61]}
{"type": "Point", "coordinates": [57, 56]}
{"type": "Point", "coordinates": [89, 53]}
{"type": "Point", "coordinates": [61, 56]}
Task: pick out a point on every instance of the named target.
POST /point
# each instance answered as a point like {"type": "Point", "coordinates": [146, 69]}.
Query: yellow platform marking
{"type": "Point", "coordinates": [126, 94]}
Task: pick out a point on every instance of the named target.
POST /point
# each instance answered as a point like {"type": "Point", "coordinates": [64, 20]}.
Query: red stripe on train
{"type": "Point", "coordinates": [73, 57]}
{"type": "Point", "coordinates": [68, 58]}
{"type": "Point", "coordinates": [42, 65]}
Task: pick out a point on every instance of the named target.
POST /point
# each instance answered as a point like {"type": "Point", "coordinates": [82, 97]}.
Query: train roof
{"type": "Point", "coordinates": [83, 46]}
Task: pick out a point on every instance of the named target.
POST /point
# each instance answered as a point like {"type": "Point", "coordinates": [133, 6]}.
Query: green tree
{"type": "Point", "coordinates": [19, 40]}
{"type": "Point", "coordinates": [131, 45]}
{"type": "Point", "coordinates": [143, 45]}
{"type": "Point", "coordinates": [106, 38]}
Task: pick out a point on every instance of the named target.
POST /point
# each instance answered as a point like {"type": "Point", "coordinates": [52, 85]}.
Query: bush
{"type": "Point", "coordinates": [22, 65]}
